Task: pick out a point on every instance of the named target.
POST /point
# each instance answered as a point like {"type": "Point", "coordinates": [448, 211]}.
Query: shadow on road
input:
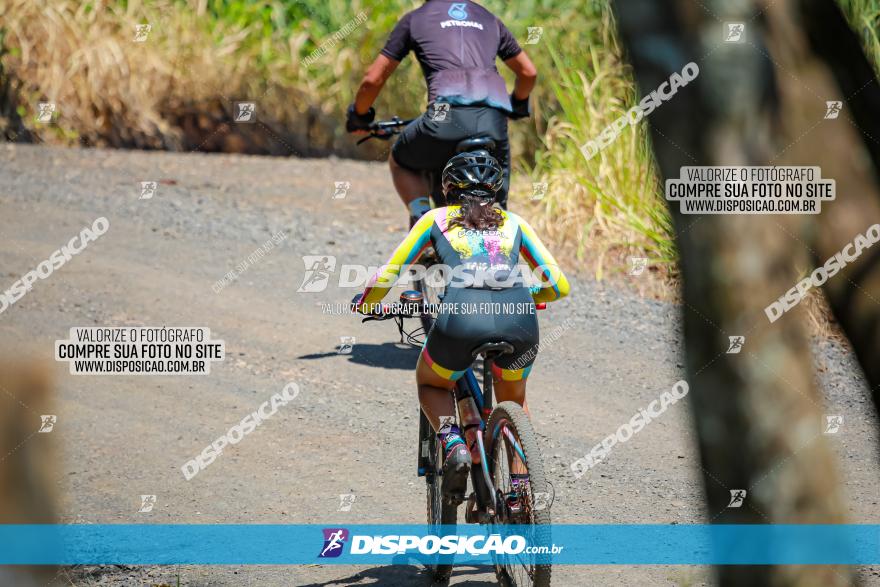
{"type": "Point", "coordinates": [405, 575]}
{"type": "Point", "coordinates": [388, 355]}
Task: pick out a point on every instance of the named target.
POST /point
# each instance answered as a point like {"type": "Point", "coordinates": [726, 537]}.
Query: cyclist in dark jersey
{"type": "Point", "coordinates": [487, 300]}
{"type": "Point", "coordinates": [456, 44]}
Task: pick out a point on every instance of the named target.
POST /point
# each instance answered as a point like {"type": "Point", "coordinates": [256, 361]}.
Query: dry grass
{"type": "Point", "coordinates": [608, 208]}
{"type": "Point", "coordinates": [112, 91]}
{"type": "Point", "coordinates": [104, 86]}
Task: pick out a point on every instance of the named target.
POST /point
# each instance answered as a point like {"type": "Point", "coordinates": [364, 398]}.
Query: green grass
{"type": "Point", "coordinates": [864, 16]}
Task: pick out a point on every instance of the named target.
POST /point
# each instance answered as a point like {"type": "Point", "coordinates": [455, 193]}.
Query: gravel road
{"type": "Point", "coordinates": [352, 428]}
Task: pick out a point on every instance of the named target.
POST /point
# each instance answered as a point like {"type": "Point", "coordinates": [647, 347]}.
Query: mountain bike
{"type": "Point", "coordinates": [505, 440]}
{"type": "Point", "coordinates": [386, 130]}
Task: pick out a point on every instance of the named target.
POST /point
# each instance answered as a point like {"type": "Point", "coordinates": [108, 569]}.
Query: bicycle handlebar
{"type": "Point", "coordinates": [409, 310]}
{"type": "Point", "coordinates": [389, 311]}
{"type": "Point", "coordinates": [385, 129]}
{"type": "Point", "coordinates": [410, 306]}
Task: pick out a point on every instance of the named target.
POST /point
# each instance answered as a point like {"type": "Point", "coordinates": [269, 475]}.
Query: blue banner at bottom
{"type": "Point", "coordinates": [222, 544]}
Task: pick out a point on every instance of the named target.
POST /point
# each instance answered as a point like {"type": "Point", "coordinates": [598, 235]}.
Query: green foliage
{"type": "Point", "coordinates": [864, 16]}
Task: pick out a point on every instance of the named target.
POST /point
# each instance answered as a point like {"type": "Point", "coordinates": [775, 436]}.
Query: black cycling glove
{"type": "Point", "coordinates": [355, 121]}
{"type": "Point", "coordinates": [520, 107]}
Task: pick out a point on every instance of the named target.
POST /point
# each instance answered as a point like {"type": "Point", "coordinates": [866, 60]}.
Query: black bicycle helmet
{"type": "Point", "coordinates": [475, 173]}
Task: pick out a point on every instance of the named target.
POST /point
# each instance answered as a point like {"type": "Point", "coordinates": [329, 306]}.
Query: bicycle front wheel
{"type": "Point", "coordinates": [512, 447]}
{"type": "Point", "coordinates": [440, 512]}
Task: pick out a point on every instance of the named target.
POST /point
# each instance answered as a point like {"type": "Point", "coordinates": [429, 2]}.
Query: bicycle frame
{"type": "Point", "coordinates": [468, 386]}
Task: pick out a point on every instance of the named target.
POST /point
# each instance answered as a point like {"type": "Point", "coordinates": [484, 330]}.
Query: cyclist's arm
{"type": "Point", "coordinates": [405, 255]}
{"type": "Point", "coordinates": [526, 74]}
{"type": "Point", "coordinates": [513, 56]}
{"type": "Point", "coordinates": [553, 281]}
{"type": "Point", "coordinates": [374, 79]}
{"type": "Point", "coordinates": [399, 44]}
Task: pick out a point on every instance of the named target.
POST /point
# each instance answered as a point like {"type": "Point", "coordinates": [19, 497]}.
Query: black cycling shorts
{"type": "Point", "coordinates": [429, 141]}
{"type": "Point", "coordinates": [476, 316]}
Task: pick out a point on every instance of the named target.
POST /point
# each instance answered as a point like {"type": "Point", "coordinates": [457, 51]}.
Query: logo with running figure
{"type": "Point", "coordinates": [832, 424]}
{"type": "Point", "coordinates": [141, 32]}
{"type": "Point", "coordinates": [735, 32]}
{"type": "Point", "coordinates": [340, 189]}
{"type": "Point", "coordinates": [334, 540]}
{"type": "Point", "coordinates": [45, 112]}
{"type": "Point", "coordinates": [47, 423]}
{"type": "Point", "coordinates": [346, 345]}
{"type": "Point", "coordinates": [832, 109]}
{"type": "Point", "coordinates": [317, 275]}
{"type": "Point", "coordinates": [539, 190]}
{"type": "Point", "coordinates": [737, 498]}
{"type": "Point", "coordinates": [148, 189]}
{"type": "Point", "coordinates": [458, 10]}
{"type": "Point", "coordinates": [346, 500]}
{"type": "Point", "coordinates": [147, 503]}
{"type": "Point", "coordinates": [637, 265]}
{"type": "Point", "coordinates": [736, 344]}
{"type": "Point", "coordinates": [535, 33]}
{"type": "Point", "coordinates": [245, 112]}
{"type": "Point", "coordinates": [439, 112]}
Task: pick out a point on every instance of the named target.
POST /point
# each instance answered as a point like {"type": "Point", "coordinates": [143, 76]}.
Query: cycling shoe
{"type": "Point", "coordinates": [456, 467]}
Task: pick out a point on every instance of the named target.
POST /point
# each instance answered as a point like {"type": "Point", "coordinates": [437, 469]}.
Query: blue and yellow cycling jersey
{"type": "Point", "coordinates": [490, 251]}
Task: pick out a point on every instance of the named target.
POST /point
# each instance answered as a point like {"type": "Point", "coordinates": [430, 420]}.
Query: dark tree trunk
{"type": "Point", "coordinates": [758, 413]}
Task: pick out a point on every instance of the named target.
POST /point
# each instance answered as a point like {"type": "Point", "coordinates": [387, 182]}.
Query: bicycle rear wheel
{"type": "Point", "coordinates": [509, 436]}
{"type": "Point", "coordinates": [439, 511]}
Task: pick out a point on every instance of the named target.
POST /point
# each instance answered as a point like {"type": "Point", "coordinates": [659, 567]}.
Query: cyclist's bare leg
{"type": "Point", "coordinates": [435, 394]}
{"type": "Point", "coordinates": [410, 185]}
{"type": "Point", "coordinates": [513, 391]}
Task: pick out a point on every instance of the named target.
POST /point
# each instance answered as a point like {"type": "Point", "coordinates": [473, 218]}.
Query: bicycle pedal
{"type": "Point", "coordinates": [454, 499]}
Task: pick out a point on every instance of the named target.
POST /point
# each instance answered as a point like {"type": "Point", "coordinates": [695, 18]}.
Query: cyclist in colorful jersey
{"type": "Point", "coordinates": [456, 43]}
{"type": "Point", "coordinates": [482, 245]}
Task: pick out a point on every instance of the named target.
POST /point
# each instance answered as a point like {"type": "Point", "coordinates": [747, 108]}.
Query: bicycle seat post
{"type": "Point", "coordinates": [488, 388]}
{"type": "Point", "coordinates": [490, 351]}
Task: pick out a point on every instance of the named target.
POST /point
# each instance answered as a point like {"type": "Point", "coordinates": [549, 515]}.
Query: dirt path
{"type": "Point", "coordinates": [352, 428]}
